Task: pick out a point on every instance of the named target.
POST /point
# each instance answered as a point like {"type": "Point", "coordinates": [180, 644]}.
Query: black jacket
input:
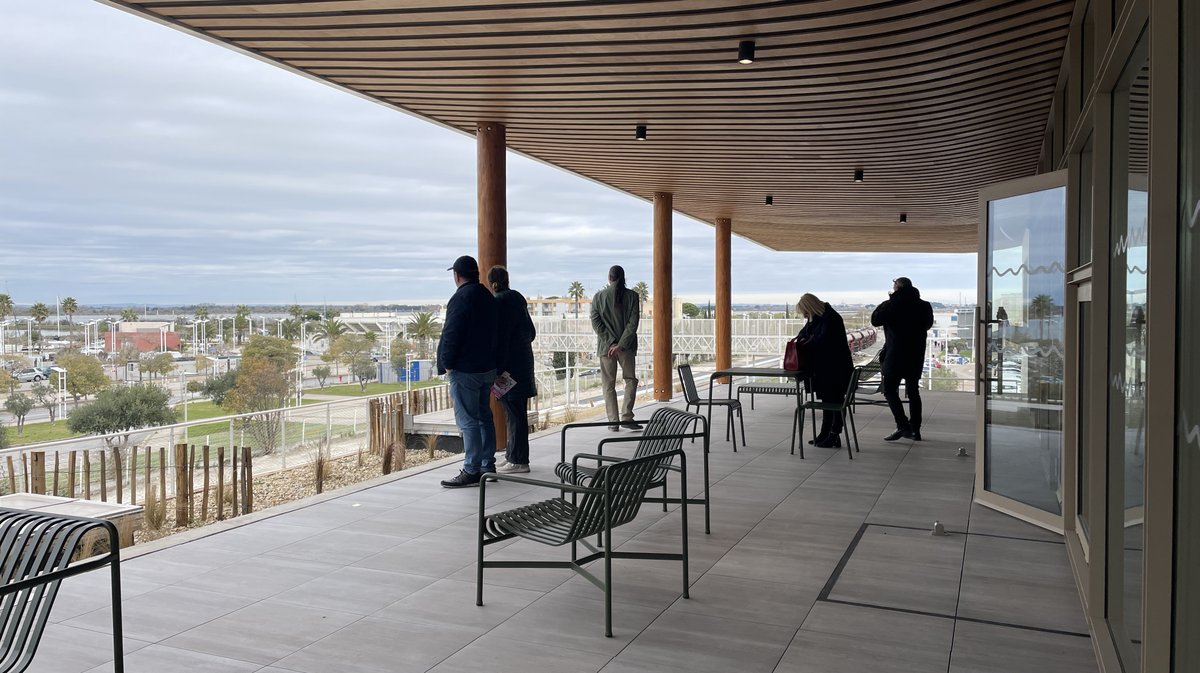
{"type": "Point", "coordinates": [514, 336]}
{"type": "Point", "coordinates": [468, 341]}
{"type": "Point", "coordinates": [905, 319]}
{"type": "Point", "coordinates": [827, 354]}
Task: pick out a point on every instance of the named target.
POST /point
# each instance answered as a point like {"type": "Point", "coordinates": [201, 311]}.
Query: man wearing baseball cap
{"type": "Point", "coordinates": [467, 356]}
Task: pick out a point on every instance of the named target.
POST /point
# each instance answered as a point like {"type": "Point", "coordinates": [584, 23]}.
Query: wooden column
{"type": "Point", "coordinates": [663, 360]}
{"type": "Point", "coordinates": [493, 225]}
{"type": "Point", "coordinates": [724, 315]}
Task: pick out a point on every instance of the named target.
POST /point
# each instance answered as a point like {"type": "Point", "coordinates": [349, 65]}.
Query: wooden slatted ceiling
{"type": "Point", "coordinates": [932, 98]}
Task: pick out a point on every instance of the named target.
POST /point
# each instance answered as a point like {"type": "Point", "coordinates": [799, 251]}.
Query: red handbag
{"type": "Point", "coordinates": [794, 356]}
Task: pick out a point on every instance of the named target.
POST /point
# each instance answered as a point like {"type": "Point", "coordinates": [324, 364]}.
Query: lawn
{"type": "Point", "coordinates": [354, 390]}
{"type": "Point", "coordinates": [36, 433]}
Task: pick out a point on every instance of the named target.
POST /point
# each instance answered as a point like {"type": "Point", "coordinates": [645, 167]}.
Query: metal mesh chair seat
{"type": "Point", "coordinates": [37, 553]}
{"type": "Point", "coordinates": [614, 498]}
{"type": "Point", "coordinates": [549, 522]}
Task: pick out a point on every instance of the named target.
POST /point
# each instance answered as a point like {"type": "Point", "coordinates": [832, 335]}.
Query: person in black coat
{"type": "Point", "coordinates": [905, 319]}
{"type": "Point", "coordinates": [514, 355]}
{"type": "Point", "coordinates": [828, 362]}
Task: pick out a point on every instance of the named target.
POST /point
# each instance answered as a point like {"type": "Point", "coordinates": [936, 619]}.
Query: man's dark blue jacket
{"type": "Point", "coordinates": [468, 341]}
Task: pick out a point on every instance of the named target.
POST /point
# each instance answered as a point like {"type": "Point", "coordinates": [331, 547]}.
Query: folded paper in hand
{"type": "Point", "coordinates": [503, 384]}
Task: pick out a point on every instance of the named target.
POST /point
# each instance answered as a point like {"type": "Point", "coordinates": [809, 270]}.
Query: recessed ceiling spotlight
{"type": "Point", "coordinates": [903, 218]}
{"type": "Point", "coordinates": [770, 200]}
{"type": "Point", "coordinates": [858, 175]}
{"type": "Point", "coordinates": [640, 133]}
{"type": "Point", "coordinates": [746, 52]}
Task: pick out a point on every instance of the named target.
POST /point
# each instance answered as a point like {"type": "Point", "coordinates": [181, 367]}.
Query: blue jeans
{"type": "Point", "coordinates": [472, 395]}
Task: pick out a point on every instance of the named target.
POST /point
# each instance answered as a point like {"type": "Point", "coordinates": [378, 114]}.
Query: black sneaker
{"type": "Point", "coordinates": [632, 425]}
{"type": "Point", "coordinates": [898, 434]}
{"type": "Point", "coordinates": [463, 480]}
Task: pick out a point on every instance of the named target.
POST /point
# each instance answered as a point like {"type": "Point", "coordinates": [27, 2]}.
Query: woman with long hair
{"type": "Point", "coordinates": [829, 363]}
{"type": "Point", "coordinates": [514, 356]}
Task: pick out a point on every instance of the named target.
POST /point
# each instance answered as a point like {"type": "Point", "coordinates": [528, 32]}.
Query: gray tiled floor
{"type": "Point", "coordinates": [383, 579]}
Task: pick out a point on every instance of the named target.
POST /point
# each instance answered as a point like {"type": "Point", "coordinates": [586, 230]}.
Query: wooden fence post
{"type": "Point", "coordinates": [70, 474]}
{"type": "Point", "coordinates": [55, 473]}
{"type": "Point", "coordinates": [133, 475]}
{"type": "Point", "coordinates": [247, 480]}
{"type": "Point", "coordinates": [204, 498]}
{"type": "Point", "coordinates": [220, 483]}
{"type": "Point", "coordinates": [12, 475]}
{"type": "Point", "coordinates": [181, 504]}
{"type": "Point", "coordinates": [103, 478]}
{"type": "Point", "coordinates": [87, 475]}
{"type": "Point", "coordinates": [233, 476]}
{"type": "Point", "coordinates": [117, 472]}
{"type": "Point", "coordinates": [162, 475]}
{"type": "Point", "coordinates": [37, 472]}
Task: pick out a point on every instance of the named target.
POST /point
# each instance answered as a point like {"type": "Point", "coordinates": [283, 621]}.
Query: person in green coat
{"type": "Point", "coordinates": [615, 314]}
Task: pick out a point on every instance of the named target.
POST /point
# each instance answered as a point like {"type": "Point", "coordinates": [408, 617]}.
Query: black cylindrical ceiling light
{"type": "Point", "coordinates": [640, 133]}
{"type": "Point", "coordinates": [903, 218]}
{"type": "Point", "coordinates": [746, 52]}
{"type": "Point", "coordinates": [858, 175]}
{"type": "Point", "coordinates": [770, 200]}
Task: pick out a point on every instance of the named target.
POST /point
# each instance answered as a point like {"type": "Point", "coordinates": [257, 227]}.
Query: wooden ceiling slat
{"type": "Point", "coordinates": [933, 98]}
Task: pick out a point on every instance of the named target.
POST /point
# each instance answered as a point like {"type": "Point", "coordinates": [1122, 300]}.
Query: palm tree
{"type": "Point", "coordinates": [129, 315]}
{"type": "Point", "coordinates": [39, 312]}
{"type": "Point", "coordinates": [423, 327]}
{"type": "Point", "coordinates": [295, 311]}
{"type": "Point", "coordinates": [241, 321]}
{"type": "Point", "coordinates": [642, 290]}
{"type": "Point", "coordinates": [290, 329]}
{"type": "Point", "coordinates": [330, 330]}
{"type": "Point", "coordinates": [1040, 307]}
{"type": "Point", "coordinates": [6, 306]}
{"type": "Point", "coordinates": [576, 292]}
{"type": "Point", "coordinates": [70, 307]}
{"type": "Point", "coordinates": [201, 312]}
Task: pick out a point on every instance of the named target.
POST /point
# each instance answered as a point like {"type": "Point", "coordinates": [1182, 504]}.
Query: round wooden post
{"type": "Point", "coordinates": [493, 225]}
{"type": "Point", "coordinates": [724, 315]}
{"type": "Point", "coordinates": [663, 360]}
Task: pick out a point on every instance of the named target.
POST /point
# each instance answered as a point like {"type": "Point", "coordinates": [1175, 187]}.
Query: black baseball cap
{"type": "Point", "coordinates": [465, 266]}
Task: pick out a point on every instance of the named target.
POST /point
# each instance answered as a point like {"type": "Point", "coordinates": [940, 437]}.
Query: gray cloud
{"type": "Point", "coordinates": [139, 164]}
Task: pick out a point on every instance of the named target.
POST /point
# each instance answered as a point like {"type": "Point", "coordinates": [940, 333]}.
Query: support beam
{"type": "Point", "coordinates": [663, 360]}
{"type": "Point", "coordinates": [493, 225]}
{"type": "Point", "coordinates": [724, 315]}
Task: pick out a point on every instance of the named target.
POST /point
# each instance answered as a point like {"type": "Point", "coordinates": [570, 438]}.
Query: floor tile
{"type": "Point", "coordinates": [263, 632]}
{"type": "Point", "coordinates": [983, 648]}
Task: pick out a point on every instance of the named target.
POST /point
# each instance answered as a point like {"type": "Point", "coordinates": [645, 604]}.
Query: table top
{"type": "Point", "coordinates": [757, 371]}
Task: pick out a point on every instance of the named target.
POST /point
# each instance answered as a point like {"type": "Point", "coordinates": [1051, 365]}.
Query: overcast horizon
{"type": "Point", "coordinates": [142, 165]}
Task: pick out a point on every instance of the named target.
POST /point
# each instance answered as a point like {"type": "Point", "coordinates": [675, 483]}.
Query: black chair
{"type": "Point", "coordinates": [845, 408]}
{"type": "Point", "coordinates": [37, 553]}
{"type": "Point", "coordinates": [692, 398]}
{"type": "Point", "coordinates": [615, 494]}
{"type": "Point", "coordinates": [665, 431]}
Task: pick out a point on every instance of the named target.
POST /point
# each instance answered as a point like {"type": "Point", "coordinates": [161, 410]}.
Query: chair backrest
{"type": "Point", "coordinates": [852, 387]}
{"type": "Point", "coordinates": [689, 384]}
{"type": "Point", "coordinates": [34, 545]}
{"type": "Point", "coordinates": [625, 484]}
{"type": "Point", "coordinates": [867, 372]}
{"type": "Point", "coordinates": [665, 432]}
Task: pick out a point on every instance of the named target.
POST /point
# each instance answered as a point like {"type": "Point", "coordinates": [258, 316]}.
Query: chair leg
{"type": "Point", "coordinates": [608, 583]}
{"type": "Point", "coordinates": [742, 423]}
{"type": "Point", "coordinates": [683, 507]}
{"type": "Point", "coordinates": [794, 422]}
{"type": "Point", "coordinates": [665, 495]}
{"type": "Point", "coordinates": [846, 431]}
{"type": "Point", "coordinates": [854, 431]}
{"type": "Point", "coordinates": [729, 422]}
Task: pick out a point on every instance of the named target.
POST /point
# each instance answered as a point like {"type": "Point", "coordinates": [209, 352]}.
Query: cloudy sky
{"type": "Point", "coordinates": [141, 165]}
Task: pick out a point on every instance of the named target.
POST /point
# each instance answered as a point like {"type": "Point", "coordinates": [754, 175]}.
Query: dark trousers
{"type": "Point", "coordinates": [518, 429]}
{"type": "Point", "coordinates": [831, 421]}
{"type": "Point", "coordinates": [912, 389]}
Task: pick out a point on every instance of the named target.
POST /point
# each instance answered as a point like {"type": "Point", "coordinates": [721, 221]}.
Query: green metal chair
{"type": "Point", "coordinates": [845, 408]}
{"type": "Point", "coordinates": [613, 498]}
{"type": "Point", "coordinates": [870, 383]}
{"type": "Point", "coordinates": [665, 431]}
{"type": "Point", "coordinates": [692, 398]}
{"type": "Point", "coordinates": [36, 554]}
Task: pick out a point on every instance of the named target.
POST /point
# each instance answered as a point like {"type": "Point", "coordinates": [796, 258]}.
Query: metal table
{"type": "Point", "coordinates": [799, 377]}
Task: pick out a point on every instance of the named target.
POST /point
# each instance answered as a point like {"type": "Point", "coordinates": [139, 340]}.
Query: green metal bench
{"type": "Point", "coordinates": [37, 553]}
{"type": "Point", "coordinates": [613, 498]}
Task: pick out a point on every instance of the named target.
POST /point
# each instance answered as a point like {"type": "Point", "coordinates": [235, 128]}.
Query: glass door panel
{"type": "Point", "coordinates": [1023, 287]}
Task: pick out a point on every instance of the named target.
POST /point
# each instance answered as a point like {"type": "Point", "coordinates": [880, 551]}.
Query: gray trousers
{"type": "Point", "coordinates": [608, 381]}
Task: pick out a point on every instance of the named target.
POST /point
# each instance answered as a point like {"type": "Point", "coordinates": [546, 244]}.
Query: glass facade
{"type": "Point", "coordinates": [1187, 486]}
{"type": "Point", "coordinates": [1026, 288]}
{"type": "Point", "coordinates": [1127, 355]}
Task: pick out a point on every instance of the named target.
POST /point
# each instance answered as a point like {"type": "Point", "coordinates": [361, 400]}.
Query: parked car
{"type": "Point", "coordinates": [29, 375]}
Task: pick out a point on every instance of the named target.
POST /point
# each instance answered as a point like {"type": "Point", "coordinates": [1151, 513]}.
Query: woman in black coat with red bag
{"type": "Point", "coordinates": [828, 362]}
